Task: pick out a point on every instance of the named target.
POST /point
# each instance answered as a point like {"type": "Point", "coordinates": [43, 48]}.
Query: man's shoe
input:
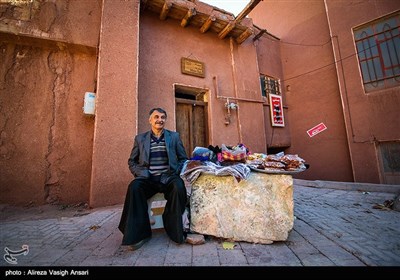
{"type": "Point", "coordinates": [138, 245]}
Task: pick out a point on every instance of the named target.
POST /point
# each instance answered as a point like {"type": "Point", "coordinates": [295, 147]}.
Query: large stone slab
{"type": "Point", "coordinates": [258, 210]}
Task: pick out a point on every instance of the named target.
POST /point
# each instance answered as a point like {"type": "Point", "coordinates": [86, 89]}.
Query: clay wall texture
{"type": "Point", "coordinates": [46, 141]}
{"type": "Point", "coordinates": [116, 102]}
{"type": "Point", "coordinates": [324, 91]}
{"type": "Point", "coordinates": [164, 43]}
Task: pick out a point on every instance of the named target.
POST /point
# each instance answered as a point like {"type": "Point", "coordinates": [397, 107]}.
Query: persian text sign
{"type": "Point", "coordinates": [316, 129]}
{"type": "Point", "coordinates": [192, 67]}
{"type": "Point", "coordinates": [276, 109]}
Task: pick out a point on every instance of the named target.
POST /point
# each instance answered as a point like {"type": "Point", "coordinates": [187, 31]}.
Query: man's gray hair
{"type": "Point", "coordinates": [159, 110]}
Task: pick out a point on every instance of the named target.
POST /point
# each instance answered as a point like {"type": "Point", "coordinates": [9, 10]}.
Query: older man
{"type": "Point", "coordinates": [156, 160]}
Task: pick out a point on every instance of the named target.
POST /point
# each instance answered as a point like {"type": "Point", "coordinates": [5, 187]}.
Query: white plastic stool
{"type": "Point", "coordinates": [156, 205]}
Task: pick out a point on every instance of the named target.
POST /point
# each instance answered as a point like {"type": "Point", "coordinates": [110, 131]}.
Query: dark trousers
{"type": "Point", "coordinates": [135, 222]}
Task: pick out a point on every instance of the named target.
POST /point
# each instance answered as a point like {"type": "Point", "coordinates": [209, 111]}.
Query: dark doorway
{"type": "Point", "coordinates": [191, 117]}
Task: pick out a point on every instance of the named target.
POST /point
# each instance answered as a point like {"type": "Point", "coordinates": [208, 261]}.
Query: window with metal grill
{"type": "Point", "coordinates": [378, 49]}
{"type": "Point", "coordinates": [270, 85]}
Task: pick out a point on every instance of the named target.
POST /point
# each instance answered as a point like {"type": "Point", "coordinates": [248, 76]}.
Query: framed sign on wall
{"type": "Point", "coordinates": [192, 67]}
{"type": "Point", "coordinates": [276, 109]}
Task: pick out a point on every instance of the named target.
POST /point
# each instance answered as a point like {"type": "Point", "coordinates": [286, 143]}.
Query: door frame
{"type": "Point", "coordinates": [201, 99]}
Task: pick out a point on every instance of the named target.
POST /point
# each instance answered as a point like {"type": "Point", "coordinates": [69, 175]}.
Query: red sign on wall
{"type": "Point", "coordinates": [276, 109]}
{"type": "Point", "coordinates": [316, 129]}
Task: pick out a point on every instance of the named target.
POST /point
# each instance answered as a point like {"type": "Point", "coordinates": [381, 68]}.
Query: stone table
{"type": "Point", "coordinates": [258, 209]}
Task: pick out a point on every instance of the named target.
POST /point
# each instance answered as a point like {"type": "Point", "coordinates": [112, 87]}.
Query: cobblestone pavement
{"type": "Point", "coordinates": [331, 228]}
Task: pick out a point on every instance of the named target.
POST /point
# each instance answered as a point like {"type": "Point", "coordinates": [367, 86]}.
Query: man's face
{"type": "Point", "coordinates": [157, 120]}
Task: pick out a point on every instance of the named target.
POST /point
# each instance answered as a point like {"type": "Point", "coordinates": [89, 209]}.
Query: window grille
{"type": "Point", "coordinates": [270, 85]}
{"type": "Point", "coordinates": [378, 49]}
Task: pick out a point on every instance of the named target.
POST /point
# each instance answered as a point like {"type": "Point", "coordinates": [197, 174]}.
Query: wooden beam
{"type": "Point", "coordinates": [204, 28]}
{"type": "Point", "coordinates": [226, 30]}
{"type": "Point", "coordinates": [258, 36]}
{"type": "Point", "coordinates": [165, 10]}
{"type": "Point", "coordinates": [190, 13]}
{"type": "Point", "coordinates": [252, 4]}
{"type": "Point", "coordinates": [266, 31]}
{"type": "Point", "coordinates": [242, 37]}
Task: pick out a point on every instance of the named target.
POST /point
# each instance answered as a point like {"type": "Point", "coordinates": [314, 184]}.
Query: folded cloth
{"type": "Point", "coordinates": [200, 158]}
{"type": "Point", "coordinates": [202, 152]}
{"type": "Point", "coordinates": [192, 169]}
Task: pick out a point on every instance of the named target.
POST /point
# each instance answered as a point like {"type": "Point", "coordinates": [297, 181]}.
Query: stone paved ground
{"type": "Point", "coordinates": [331, 228]}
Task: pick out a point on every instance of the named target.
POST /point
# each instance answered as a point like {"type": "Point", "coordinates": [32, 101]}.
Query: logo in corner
{"type": "Point", "coordinates": [9, 256]}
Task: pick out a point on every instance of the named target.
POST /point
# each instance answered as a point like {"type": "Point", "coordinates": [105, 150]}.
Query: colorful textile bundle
{"type": "Point", "coordinates": [235, 153]}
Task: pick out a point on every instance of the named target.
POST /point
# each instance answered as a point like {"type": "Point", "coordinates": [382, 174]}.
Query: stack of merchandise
{"type": "Point", "coordinates": [278, 162]}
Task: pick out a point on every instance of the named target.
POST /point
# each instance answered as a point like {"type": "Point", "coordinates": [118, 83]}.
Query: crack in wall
{"type": "Point", "coordinates": [45, 146]}
{"type": "Point", "coordinates": [59, 64]}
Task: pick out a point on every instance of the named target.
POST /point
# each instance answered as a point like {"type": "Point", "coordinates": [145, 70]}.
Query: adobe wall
{"type": "Point", "coordinates": [270, 64]}
{"type": "Point", "coordinates": [67, 21]}
{"type": "Point", "coordinates": [307, 59]}
{"type": "Point", "coordinates": [48, 63]}
{"type": "Point", "coordinates": [116, 102]}
{"type": "Point", "coordinates": [371, 117]}
{"type": "Point", "coordinates": [230, 71]}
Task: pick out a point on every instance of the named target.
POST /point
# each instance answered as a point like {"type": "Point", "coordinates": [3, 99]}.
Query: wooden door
{"type": "Point", "coordinates": [389, 157]}
{"type": "Point", "coordinates": [191, 123]}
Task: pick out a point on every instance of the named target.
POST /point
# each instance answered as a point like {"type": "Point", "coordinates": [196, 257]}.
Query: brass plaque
{"type": "Point", "coordinates": [192, 67]}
